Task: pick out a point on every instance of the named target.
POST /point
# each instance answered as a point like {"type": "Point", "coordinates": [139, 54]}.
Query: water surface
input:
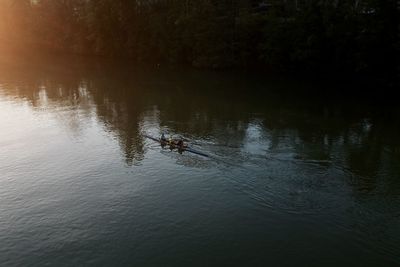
{"type": "Point", "coordinates": [293, 179]}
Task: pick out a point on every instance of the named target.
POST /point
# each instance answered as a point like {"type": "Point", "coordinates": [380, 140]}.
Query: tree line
{"type": "Point", "coordinates": [353, 36]}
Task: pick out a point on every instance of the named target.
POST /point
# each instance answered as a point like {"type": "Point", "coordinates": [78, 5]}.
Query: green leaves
{"type": "Point", "coordinates": [353, 35]}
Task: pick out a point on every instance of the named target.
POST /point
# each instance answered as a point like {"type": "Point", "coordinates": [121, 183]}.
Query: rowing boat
{"type": "Point", "coordinates": [186, 148]}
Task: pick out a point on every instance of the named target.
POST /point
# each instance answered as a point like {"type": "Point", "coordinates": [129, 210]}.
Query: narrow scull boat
{"type": "Point", "coordinates": [186, 148]}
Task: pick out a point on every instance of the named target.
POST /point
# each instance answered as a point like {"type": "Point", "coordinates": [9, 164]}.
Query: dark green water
{"type": "Point", "coordinates": [294, 179]}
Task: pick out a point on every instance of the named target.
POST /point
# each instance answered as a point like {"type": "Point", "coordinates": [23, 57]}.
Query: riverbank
{"type": "Point", "coordinates": [333, 86]}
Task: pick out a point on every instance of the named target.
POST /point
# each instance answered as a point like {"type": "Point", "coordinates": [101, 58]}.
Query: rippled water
{"type": "Point", "coordinates": [291, 180]}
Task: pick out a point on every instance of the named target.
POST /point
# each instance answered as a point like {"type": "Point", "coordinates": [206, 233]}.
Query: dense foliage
{"type": "Point", "coordinates": [353, 36]}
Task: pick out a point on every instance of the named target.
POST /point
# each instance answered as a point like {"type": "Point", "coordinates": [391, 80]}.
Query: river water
{"type": "Point", "coordinates": [293, 179]}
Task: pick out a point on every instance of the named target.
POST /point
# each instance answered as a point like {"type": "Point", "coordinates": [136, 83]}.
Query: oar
{"type": "Point", "coordinates": [191, 150]}
{"type": "Point", "coordinates": [152, 138]}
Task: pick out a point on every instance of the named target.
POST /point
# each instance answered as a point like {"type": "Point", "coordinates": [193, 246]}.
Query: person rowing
{"type": "Point", "coordinates": [172, 144]}
{"type": "Point", "coordinates": [181, 146]}
{"type": "Point", "coordinates": [163, 140]}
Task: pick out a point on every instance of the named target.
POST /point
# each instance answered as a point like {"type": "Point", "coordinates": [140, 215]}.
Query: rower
{"type": "Point", "coordinates": [163, 140]}
{"type": "Point", "coordinates": [172, 144]}
{"type": "Point", "coordinates": [180, 145]}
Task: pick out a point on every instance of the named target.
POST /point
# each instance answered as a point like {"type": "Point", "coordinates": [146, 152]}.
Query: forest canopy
{"type": "Point", "coordinates": [350, 36]}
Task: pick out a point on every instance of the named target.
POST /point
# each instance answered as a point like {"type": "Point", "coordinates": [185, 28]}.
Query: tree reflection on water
{"type": "Point", "coordinates": [230, 115]}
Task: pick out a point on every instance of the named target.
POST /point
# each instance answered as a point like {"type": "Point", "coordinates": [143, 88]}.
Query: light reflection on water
{"type": "Point", "coordinates": [80, 184]}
